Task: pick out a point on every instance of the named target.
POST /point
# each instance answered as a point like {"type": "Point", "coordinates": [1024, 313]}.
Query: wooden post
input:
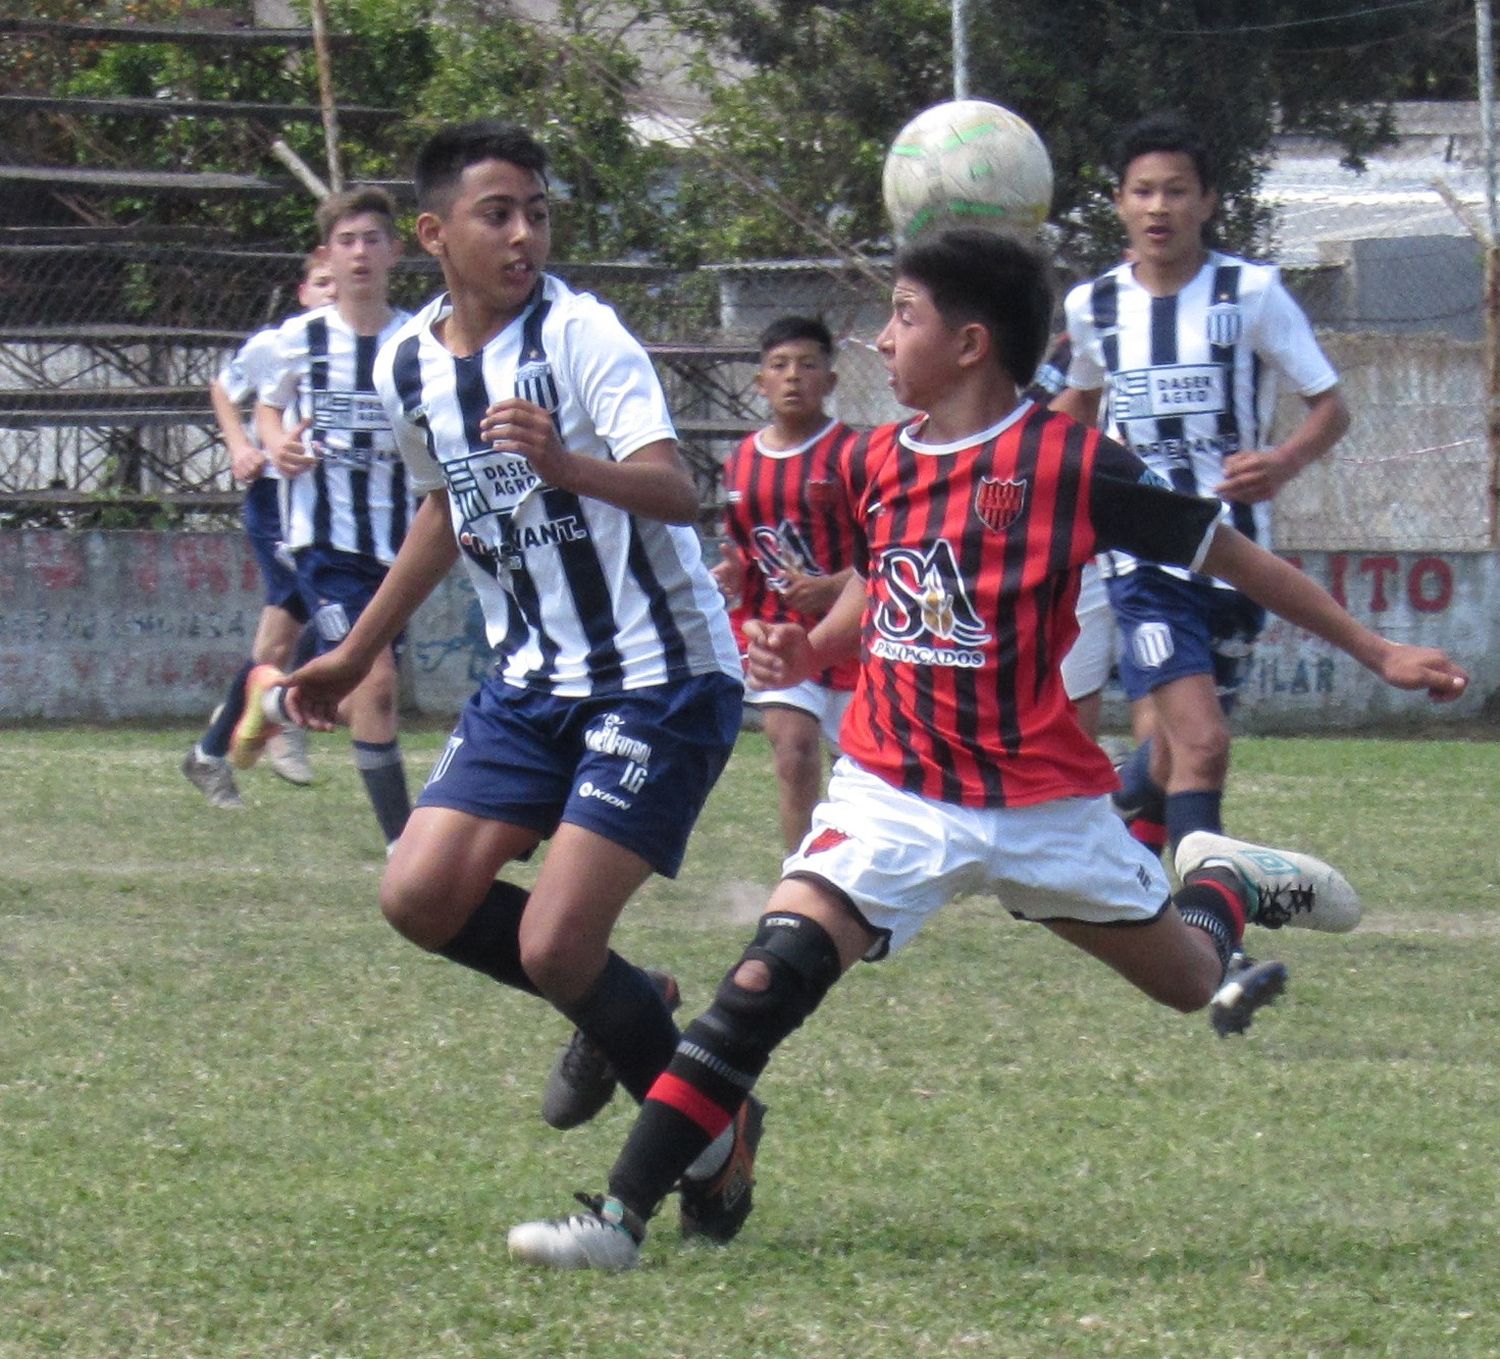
{"type": "Point", "coordinates": [325, 93]}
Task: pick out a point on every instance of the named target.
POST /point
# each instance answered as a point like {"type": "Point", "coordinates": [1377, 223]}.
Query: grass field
{"type": "Point", "coordinates": [240, 1117]}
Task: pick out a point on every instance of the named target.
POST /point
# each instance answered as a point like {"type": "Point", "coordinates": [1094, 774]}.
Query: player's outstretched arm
{"type": "Point", "coordinates": [427, 554]}
{"type": "Point", "coordinates": [652, 482]}
{"type": "Point", "coordinates": [1299, 599]}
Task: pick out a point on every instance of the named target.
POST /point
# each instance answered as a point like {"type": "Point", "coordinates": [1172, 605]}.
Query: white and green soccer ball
{"type": "Point", "coordinates": [967, 163]}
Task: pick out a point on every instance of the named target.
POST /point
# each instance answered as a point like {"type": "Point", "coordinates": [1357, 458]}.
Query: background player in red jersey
{"type": "Point", "coordinates": [965, 769]}
{"type": "Point", "coordinates": [788, 549]}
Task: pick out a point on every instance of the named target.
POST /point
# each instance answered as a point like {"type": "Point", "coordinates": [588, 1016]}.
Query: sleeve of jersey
{"type": "Point", "coordinates": [615, 381]}
{"type": "Point", "coordinates": [1134, 510]}
{"type": "Point", "coordinates": [1286, 336]}
{"type": "Point", "coordinates": [277, 383]}
{"type": "Point", "coordinates": [1083, 372]}
{"type": "Point", "coordinates": [424, 473]}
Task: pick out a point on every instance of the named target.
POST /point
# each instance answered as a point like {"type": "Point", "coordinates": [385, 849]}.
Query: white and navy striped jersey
{"type": "Point", "coordinates": [579, 597]}
{"type": "Point", "coordinates": [243, 375]}
{"type": "Point", "coordinates": [357, 498]}
{"type": "Point", "coordinates": [1189, 379]}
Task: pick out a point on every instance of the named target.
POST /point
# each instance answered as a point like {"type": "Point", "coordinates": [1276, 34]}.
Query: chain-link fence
{"type": "Point", "coordinates": [112, 320]}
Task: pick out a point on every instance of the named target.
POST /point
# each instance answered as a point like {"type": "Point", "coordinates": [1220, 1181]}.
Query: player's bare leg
{"type": "Point", "coordinates": [797, 746]}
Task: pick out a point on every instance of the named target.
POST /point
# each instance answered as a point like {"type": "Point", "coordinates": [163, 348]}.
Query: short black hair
{"type": "Point", "coordinates": [1164, 131]}
{"type": "Point", "coordinates": [785, 329]}
{"type": "Point", "coordinates": [450, 151]}
{"type": "Point", "coordinates": [994, 279]}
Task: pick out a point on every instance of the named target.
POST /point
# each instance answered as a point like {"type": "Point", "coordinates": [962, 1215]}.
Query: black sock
{"type": "Point", "coordinates": [489, 941]}
{"type": "Point", "coordinates": [1213, 901]}
{"type": "Point", "coordinates": [624, 1015]}
{"type": "Point", "coordinates": [379, 764]}
{"type": "Point", "coordinates": [215, 741]}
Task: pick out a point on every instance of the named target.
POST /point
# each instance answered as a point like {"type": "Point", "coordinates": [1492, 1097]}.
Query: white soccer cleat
{"type": "Point", "coordinates": [607, 1237]}
{"type": "Point", "coordinates": [212, 777]}
{"type": "Point", "coordinates": [286, 753]}
{"type": "Point", "coordinates": [1284, 888]}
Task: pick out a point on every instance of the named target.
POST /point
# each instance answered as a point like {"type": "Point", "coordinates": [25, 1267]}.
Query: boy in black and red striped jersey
{"type": "Point", "coordinates": [789, 549]}
{"type": "Point", "coordinates": [965, 769]}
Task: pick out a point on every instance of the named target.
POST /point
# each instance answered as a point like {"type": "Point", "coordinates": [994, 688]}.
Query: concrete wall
{"type": "Point", "coordinates": [105, 626]}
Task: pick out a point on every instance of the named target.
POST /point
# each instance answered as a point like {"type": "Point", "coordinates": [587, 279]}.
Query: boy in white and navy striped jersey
{"type": "Point", "coordinates": [346, 504]}
{"type": "Point", "coordinates": [534, 426]}
{"type": "Point", "coordinates": [1186, 345]}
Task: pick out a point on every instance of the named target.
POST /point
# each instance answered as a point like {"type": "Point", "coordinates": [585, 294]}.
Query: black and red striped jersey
{"type": "Point", "coordinates": [785, 509]}
{"type": "Point", "coordinates": [972, 553]}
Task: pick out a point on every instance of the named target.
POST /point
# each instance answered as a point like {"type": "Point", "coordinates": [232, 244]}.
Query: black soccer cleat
{"type": "Point", "coordinates": [1247, 986]}
{"type": "Point", "coordinates": [582, 1081]}
{"type": "Point", "coordinates": [718, 1206]}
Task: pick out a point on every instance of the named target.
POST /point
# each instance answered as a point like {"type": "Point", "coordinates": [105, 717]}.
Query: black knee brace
{"type": "Point", "coordinates": [803, 963]}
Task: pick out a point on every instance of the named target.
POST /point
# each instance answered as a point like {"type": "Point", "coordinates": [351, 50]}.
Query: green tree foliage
{"type": "Point", "coordinates": [832, 82]}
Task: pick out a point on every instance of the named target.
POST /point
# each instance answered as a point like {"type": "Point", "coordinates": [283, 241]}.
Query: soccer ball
{"type": "Point", "coordinates": [967, 163]}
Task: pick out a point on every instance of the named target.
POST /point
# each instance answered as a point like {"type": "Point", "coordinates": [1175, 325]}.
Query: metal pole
{"type": "Point", "coordinates": [325, 93]}
{"type": "Point", "coordinates": [960, 49]}
{"type": "Point", "coordinates": [1485, 53]}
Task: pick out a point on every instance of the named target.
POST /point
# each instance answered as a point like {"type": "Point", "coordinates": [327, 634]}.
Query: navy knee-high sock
{"type": "Point", "coordinates": [625, 1016]}
{"type": "Point", "coordinates": [1198, 810]}
{"type": "Point", "coordinates": [490, 940]}
{"type": "Point", "coordinates": [381, 767]}
{"type": "Point", "coordinates": [215, 741]}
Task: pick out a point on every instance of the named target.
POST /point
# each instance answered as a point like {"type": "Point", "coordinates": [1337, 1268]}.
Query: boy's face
{"type": "Point", "coordinates": [1164, 208]}
{"type": "Point", "coordinates": [361, 253]}
{"type": "Point", "coordinates": [795, 378]}
{"type": "Point", "coordinates": [921, 353]}
{"type": "Point", "coordinates": [495, 236]}
{"type": "Point", "coordinates": [317, 288]}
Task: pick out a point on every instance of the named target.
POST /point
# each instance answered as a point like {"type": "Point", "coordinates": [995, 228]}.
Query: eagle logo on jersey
{"type": "Point", "coordinates": [781, 550]}
{"type": "Point", "coordinates": [924, 593]}
{"type": "Point", "coordinates": [999, 503]}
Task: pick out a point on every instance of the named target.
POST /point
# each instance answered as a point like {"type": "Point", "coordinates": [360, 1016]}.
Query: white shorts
{"type": "Point", "coordinates": [818, 701]}
{"type": "Point", "coordinates": [899, 858]}
{"type": "Point", "coordinates": [1086, 667]}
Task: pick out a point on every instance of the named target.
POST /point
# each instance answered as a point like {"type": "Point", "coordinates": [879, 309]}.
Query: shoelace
{"type": "Point", "coordinates": [1284, 902]}
{"type": "Point", "coordinates": [582, 1061]}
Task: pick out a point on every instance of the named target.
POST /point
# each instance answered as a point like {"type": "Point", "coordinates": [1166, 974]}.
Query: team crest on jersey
{"type": "Point", "coordinates": [535, 383]}
{"type": "Point", "coordinates": [999, 503]}
{"type": "Point", "coordinates": [1224, 324]}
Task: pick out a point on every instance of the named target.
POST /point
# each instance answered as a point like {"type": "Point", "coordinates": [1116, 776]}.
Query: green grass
{"type": "Point", "coordinates": [240, 1117]}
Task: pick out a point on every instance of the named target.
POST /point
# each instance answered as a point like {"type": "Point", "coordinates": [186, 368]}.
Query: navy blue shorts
{"type": "Point", "coordinates": [1171, 628]}
{"type": "Point", "coordinates": [335, 588]}
{"type": "Point", "coordinates": [634, 766]}
{"type": "Point", "coordinates": [261, 513]}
